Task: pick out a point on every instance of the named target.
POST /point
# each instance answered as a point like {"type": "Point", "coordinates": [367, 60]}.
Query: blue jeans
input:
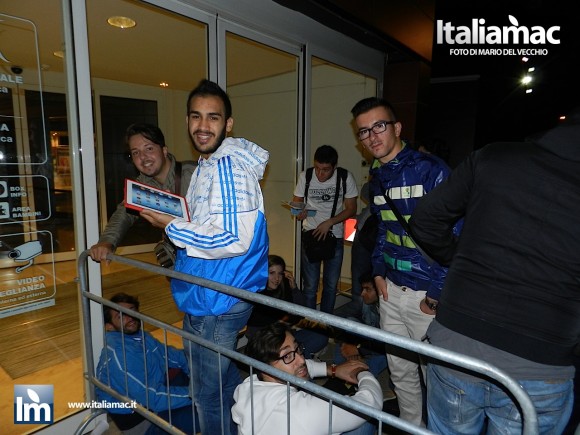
{"type": "Point", "coordinates": [208, 371]}
{"type": "Point", "coordinates": [457, 405]}
{"type": "Point", "coordinates": [330, 276]}
{"type": "Point", "coordinates": [182, 418]}
{"type": "Point", "coordinates": [377, 362]}
{"type": "Point", "coordinates": [313, 341]}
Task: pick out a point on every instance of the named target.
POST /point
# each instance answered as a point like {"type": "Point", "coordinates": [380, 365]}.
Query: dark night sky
{"type": "Point", "coordinates": [505, 112]}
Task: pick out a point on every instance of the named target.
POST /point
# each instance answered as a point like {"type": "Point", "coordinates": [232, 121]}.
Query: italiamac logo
{"type": "Point", "coordinates": [478, 33]}
{"type": "Point", "coordinates": [33, 404]}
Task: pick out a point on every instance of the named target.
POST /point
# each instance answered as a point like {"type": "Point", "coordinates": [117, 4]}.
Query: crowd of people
{"type": "Point", "coordinates": [479, 260]}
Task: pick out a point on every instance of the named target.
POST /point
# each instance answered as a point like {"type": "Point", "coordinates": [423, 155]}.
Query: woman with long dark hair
{"type": "Point", "coordinates": [282, 285]}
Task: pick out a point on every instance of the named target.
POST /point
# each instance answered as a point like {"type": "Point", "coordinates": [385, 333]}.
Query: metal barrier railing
{"type": "Point", "coordinates": [530, 422]}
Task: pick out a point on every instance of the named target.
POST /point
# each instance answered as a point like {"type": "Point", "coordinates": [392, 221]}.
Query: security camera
{"type": "Point", "coordinates": [16, 70]}
{"type": "Point", "coordinates": [26, 253]}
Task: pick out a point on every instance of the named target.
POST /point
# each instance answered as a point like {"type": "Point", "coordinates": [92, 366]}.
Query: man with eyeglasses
{"type": "Point", "coordinates": [408, 282]}
{"type": "Point", "coordinates": [272, 399]}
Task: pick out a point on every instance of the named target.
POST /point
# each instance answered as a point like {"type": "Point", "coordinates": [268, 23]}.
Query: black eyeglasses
{"type": "Point", "coordinates": [379, 127]}
{"type": "Point", "coordinates": [289, 357]}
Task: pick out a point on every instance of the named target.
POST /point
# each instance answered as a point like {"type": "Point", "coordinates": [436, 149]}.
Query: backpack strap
{"type": "Point", "coordinates": [309, 172]}
{"type": "Point", "coordinates": [406, 226]}
{"type": "Point", "coordinates": [336, 194]}
{"type": "Point", "coordinates": [341, 175]}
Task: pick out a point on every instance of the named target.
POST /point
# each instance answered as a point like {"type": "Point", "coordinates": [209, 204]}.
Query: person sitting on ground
{"type": "Point", "coordinates": [133, 363]}
{"type": "Point", "coordinates": [275, 345]}
{"type": "Point", "coordinates": [359, 347]}
{"type": "Point", "coordinates": [353, 346]}
{"type": "Point", "coordinates": [361, 256]}
{"type": "Point", "coordinates": [282, 285]}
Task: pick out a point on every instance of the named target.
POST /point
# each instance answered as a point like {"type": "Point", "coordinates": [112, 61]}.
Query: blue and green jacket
{"type": "Point", "coordinates": [406, 178]}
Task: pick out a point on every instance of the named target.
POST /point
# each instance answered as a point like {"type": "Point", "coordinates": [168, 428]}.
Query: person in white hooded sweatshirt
{"type": "Point", "coordinates": [275, 345]}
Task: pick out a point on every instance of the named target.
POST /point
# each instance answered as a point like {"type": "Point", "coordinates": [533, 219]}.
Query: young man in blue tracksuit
{"type": "Point", "coordinates": [409, 284]}
{"type": "Point", "coordinates": [134, 364]}
{"type": "Point", "coordinates": [225, 241]}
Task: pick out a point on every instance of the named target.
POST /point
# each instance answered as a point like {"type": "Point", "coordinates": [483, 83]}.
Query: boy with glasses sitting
{"type": "Point", "coordinates": [309, 414]}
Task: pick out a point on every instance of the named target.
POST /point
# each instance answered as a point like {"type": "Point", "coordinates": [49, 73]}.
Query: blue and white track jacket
{"type": "Point", "coordinates": [136, 368]}
{"type": "Point", "coordinates": [226, 240]}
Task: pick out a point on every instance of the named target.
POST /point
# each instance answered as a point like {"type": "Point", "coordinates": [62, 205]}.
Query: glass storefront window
{"type": "Point", "coordinates": [131, 81]}
{"type": "Point", "coordinates": [135, 81]}
{"type": "Point", "coordinates": [265, 104]}
{"type": "Point", "coordinates": [40, 340]}
{"type": "Point", "coordinates": [144, 73]}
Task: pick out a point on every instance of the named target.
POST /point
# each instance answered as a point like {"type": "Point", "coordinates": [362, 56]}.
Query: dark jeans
{"type": "Point", "coordinates": [210, 371]}
{"type": "Point", "coordinates": [312, 340]}
{"type": "Point", "coordinates": [458, 405]}
{"type": "Point", "coordinates": [330, 278]}
{"type": "Point", "coordinates": [360, 265]}
{"type": "Point", "coordinates": [184, 418]}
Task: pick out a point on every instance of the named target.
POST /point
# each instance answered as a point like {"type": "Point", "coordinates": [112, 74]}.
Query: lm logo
{"type": "Point", "coordinates": [33, 404]}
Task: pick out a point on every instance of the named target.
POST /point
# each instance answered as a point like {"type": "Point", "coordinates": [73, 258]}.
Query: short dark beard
{"type": "Point", "coordinates": [218, 143]}
{"type": "Point", "coordinates": [132, 333]}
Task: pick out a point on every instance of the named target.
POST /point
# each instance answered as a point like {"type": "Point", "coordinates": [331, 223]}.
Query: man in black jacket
{"type": "Point", "coordinates": [512, 294]}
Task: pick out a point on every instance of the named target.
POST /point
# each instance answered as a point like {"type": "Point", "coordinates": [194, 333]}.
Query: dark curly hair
{"type": "Point", "coordinates": [265, 344]}
{"type": "Point", "coordinates": [118, 298]}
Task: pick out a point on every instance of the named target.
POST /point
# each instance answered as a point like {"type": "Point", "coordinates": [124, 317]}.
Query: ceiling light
{"type": "Point", "coordinates": [563, 118]}
{"type": "Point", "coordinates": [528, 91]}
{"type": "Point", "coordinates": [525, 59]}
{"type": "Point", "coordinates": [122, 22]}
{"type": "Point", "coordinates": [531, 69]}
{"type": "Point", "coordinates": [526, 80]}
{"type": "Point", "coordinates": [164, 84]}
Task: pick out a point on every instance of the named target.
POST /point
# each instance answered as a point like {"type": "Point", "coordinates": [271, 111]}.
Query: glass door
{"type": "Point", "coordinates": [40, 341]}
{"type": "Point", "coordinates": [264, 85]}
{"type": "Point", "coordinates": [334, 91]}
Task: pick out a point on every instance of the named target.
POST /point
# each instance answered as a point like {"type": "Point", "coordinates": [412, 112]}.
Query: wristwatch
{"type": "Point", "coordinates": [431, 304]}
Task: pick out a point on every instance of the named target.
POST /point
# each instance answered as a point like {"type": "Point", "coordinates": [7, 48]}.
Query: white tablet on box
{"type": "Point", "coordinates": [139, 196]}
